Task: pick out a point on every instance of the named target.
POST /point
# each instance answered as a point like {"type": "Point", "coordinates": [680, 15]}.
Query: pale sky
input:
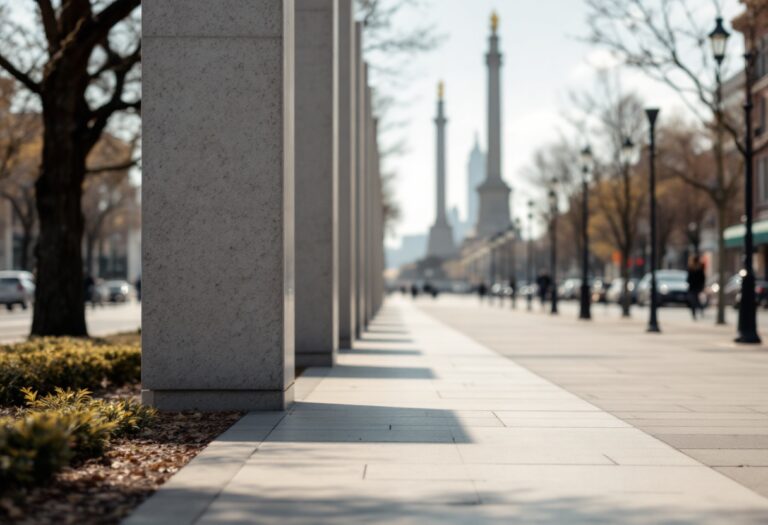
{"type": "Point", "coordinates": [543, 61]}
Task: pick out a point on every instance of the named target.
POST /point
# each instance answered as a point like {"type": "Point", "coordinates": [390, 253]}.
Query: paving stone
{"type": "Point", "coordinates": [454, 433]}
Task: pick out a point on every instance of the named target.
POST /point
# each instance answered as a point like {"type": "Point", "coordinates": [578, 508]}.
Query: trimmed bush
{"type": "Point", "coordinates": [59, 428]}
{"type": "Point", "coordinates": [47, 363]}
{"type": "Point", "coordinates": [124, 416]}
{"type": "Point", "coordinates": [33, 448]}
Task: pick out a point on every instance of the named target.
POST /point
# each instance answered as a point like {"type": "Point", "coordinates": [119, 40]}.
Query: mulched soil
{"type": "Point", "coordinates": [105, 490]}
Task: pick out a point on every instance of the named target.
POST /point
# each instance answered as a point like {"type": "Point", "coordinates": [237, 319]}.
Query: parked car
{"type": "Point", "coordinates": [732, 291]}
{"type": "Point", "coordinates": [16, 288]}
{"type": "Point", "coordinates": [526, 289]}
{"type": "Point", "coordinates": [117, 291]}
{"type": "Point", "coordinates": [599, 291]}
{"type": "Point", "coordinates": [671, 287]}
{"type": "Point", "coordinates": [615, 292]}
{"type": "Point", "coordinates": [570, 289]}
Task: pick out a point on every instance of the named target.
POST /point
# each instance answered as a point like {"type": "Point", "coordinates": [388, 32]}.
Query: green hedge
{"type": "Point", "coordinates": [47, 363]}
{"type": "Point", "coordinates": [57, 429]}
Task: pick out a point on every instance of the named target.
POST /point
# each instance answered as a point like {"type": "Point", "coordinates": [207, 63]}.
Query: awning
{"type": "Point", "coordinates": [734, 235]}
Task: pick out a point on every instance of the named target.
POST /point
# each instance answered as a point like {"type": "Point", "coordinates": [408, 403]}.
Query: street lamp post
{"type": "Point", "coordinates": [529, 257]}
{"type": "Point", "coordinates": [627, 158]}
{"type": "Point", "coordinates": [652, 114]}
{"type": "Point", "coordinates": [747, 307]}
{"type": "Point", "coordinates": [553, 246]}
{"type": "Point", "coordinates": [718, 39]}
{"type": "Point", "coordinates": [513, 274]}
{"type": "Point", "coordinates": [585, 306]}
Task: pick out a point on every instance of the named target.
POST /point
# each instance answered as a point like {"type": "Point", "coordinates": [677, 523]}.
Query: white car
{"type": "Point", "coordinates": [16, 288]}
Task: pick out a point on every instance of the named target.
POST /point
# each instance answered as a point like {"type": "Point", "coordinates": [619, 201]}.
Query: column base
{"type": "Point", "coordinates": [218, 400]}
{"type": "Point", "coordinates": [310, 360]}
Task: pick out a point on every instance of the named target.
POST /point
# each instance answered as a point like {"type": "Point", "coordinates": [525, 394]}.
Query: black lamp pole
{"type": "Point", "coordinates": [553, 252]}
{"type": "Point", "coordinates": [529, 257]}
{"type": "Point", "coordinates": [586, 301]}
{"type": "Point", "coordinates": [747, 307]}
{"type": "Point", "coordinates": [718, 39]}
{"type": "Point", "coordinates": [653, 322]}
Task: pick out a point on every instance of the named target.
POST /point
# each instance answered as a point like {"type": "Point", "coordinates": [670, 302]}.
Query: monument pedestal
{"type": "Point", "coordinates": [441, 241]}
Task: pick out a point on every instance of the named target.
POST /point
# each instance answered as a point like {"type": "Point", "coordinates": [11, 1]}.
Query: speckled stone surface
{"type": "Point", "coordinates": [218, 232]}
{"type": "Point", "coordinates": [360, 144]}
{"type": "Point", "coordinates": [316, 185]}
{"type": "Point", "coordinates": [347, 166]}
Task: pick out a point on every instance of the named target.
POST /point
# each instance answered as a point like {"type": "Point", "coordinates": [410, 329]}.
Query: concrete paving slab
{"type": "Point", "coordinates": [449, 432]}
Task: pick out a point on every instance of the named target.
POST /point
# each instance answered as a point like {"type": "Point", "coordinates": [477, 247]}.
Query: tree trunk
{"type": "Point", "coordinates": [89, 246]}
{"type": "Point", "coordinates": [26, 242]}
{"type": "Point", "coordinates": [721, 280]}
{"type": "Point", "coordinates": [59, 295]}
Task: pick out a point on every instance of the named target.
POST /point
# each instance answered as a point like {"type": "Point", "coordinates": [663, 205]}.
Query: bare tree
{"type": "Point", "coordinates": [556, 166]}
{"type": "Point", "coordinates": [20, 145]}
{"type": "Point", "coordinates": [106, 192]}
{"type": "Point", "coordinates": [612, 117]}
{"type": "Point", "coordinates": [668, 41]}
{"type": "Point", "coordinates": [80, 58]}
{"type": "Point", "coordinates": [390, 49]}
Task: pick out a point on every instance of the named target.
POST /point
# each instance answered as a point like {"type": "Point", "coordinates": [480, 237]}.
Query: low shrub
{"type": "Point", "coordinates": [47, 363]}
{"type": "Point", "coordinates": [33, 448]}
{"type": "Point", "coordinates": [124, 416]}
{"type": "Point", "coordinates": [59, 428]}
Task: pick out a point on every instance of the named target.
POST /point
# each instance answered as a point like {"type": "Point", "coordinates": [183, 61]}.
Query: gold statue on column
{"type": "Point", "coordinates": [441, 90]}
{"type": "Point", "coordinates": [494, 21]}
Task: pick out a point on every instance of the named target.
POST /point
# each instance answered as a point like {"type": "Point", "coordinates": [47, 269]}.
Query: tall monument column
{"type": "Point", "coordinates": [494, 215]}
{"type": "Point", "coordinates": [441, 234]}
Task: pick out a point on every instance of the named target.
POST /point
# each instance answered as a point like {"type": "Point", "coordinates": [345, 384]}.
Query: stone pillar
{"type": "Point", "coordinates": [378, 237]}
{"type": "Point", "coordinates": [360, 204]}
{"type": "Point", "coordinates": [347, 172]}
{"type": "Point", "coordinates": [316, 185]}
{"type": "Point", "coordinates": [369, 209]}
{"type": "Point", "coordinates": [218, 217]}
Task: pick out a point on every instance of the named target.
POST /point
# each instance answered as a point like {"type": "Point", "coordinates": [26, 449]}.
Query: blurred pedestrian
{"type": "Point", "coordinates": [696, 280]}
{"type": "Point", "coordinates": [89, 290]}
{"type": "Point", "coordinates": [482, 290]}
{"type": "Point", "coordinates": [513, 291]}
{"type": "Point", "coordinates": [138, 288]}
{"type": "Point", "coordinates": [414, 291]}
{"type": "Point", "coordinates": [544, 282]}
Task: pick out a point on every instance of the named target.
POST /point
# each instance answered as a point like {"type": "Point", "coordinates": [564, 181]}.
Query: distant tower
{"type": "Point", "coordinates": [475, 177]}
{"type": "Point", "coordinates": [440, 235]}
{"type": "Point", "coordinates": [494, 214]}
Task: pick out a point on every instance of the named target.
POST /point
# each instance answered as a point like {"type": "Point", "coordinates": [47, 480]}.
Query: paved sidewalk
{"type": "Point", "coordinates": [421, 424]}
{"type": "Point", "coordinates": [690, 386]}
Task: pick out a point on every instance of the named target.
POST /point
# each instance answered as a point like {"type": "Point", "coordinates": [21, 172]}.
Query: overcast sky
{"type": "Point", "coordinates": [543, 61]}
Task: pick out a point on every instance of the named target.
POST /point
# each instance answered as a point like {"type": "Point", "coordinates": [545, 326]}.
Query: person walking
{"type": "Point", "coordinates": [696, 279]}
{"type": "Point", "coordinates": [543, 282]}
{"type": "Point", "coordinates": [513, 291]}
{"type": "Point", "coordinates": [482, 289]}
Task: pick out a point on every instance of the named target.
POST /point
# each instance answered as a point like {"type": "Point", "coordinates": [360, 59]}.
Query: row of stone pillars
{"type": "Point", "coordinates": [262, 199]}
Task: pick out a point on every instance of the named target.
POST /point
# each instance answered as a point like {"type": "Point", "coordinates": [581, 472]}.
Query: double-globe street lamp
{"type": "Point", "coordinates": [553, 248]}
{"type": "Point", "coordinates": [586, 169]}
